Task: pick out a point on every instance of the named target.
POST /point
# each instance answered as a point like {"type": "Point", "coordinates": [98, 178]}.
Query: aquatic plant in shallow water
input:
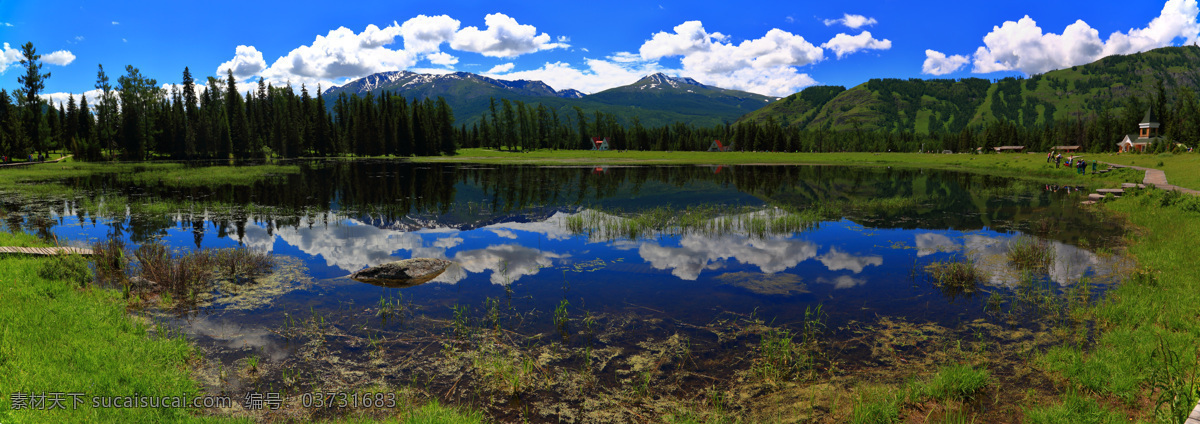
{"type": "Point", "coordinates": [781, 357]}
{"type": "Point", "coordinates": [955, 277]}
{"type": "Point", "coordinates": [185, 275]}
{"type": "Point", "coordinates": [236, 264]}
{"type": "Point", "coordinates": [1027, 252]}
{"type": "Point", "coordinates": [957, 382]}
{"type": "Point", "coordinates": [110, 261]}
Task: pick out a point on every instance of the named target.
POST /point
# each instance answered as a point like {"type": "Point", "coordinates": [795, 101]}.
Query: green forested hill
{"type": "Point", "coordinates": [1115, 89]}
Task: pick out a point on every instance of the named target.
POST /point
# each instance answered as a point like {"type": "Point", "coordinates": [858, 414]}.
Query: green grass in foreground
{"type": "Point", "coordinates": [58, 336]}
{"type": "Point", "coordinates": [1148, 331]}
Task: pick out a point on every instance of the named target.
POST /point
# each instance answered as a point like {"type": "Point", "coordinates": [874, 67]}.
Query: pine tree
{"type": "Point", "coordinates": [445, 119]}
{"type": "Point", "coordinates": [106, 111]}
{"type": "Point", "coordinates": [190, 118]}
{"type": "Point", "coordinates": [239, 128]}
{"type": "Point", "coordinates": [33, 82]}
{"type": "Point", "coordinates": [71, 121]}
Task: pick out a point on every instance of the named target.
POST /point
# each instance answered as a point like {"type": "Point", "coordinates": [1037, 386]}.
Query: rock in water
{"type": "Point", "coordinates": [405, 273]}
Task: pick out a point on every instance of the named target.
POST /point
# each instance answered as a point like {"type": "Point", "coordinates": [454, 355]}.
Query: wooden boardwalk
{"type": "Point", "coordinates": [45, 250]}
{"type": "Point", "coordinates": [1158, 178]}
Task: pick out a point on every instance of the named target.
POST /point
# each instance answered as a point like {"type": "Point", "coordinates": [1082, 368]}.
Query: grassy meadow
{"type": "Point", "coordinates": [42, 180]}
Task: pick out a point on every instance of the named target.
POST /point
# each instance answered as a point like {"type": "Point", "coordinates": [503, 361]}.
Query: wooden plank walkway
{"type": "Point", "coordinates": [45, 250]}
{"type": "Point", "coordinates": [1157, 178]}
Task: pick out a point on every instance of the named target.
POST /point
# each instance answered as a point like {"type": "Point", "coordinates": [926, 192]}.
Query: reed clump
{"type": "Point", "coordinates": [153, 267]}
{"type": "Point", "coordinates": [184, 275]}
{"type": "Point", "coordinates": [784, 355]}
{"type": "Point", "coordinates": [1029, 253]}
{"type": "Point", "coordinates": [955, 276]}
{"type": "Point", "coordinates": [243, 264]}
{"type": "Point", "coordinates": [110, 261]}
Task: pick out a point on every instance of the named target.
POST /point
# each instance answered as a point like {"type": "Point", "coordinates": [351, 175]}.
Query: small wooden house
{"type": "Point", "coordinates": [1009, 149]}
{"type": "Point", "coordinates": [1066, 149]}
{"type": "Point", "coordinates": [599, 143]}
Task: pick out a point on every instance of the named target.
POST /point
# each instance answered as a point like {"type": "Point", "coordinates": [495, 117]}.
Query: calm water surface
{"type": "Point", "coordinates": [504, 227]}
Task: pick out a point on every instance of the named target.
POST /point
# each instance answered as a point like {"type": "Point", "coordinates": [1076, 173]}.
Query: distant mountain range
{"type": "Point", "coordinates": [919, 106]}
{"type": "Point", "coordinates": [654, 100]}
{"type": "Point", "coordinates": [924, 106]}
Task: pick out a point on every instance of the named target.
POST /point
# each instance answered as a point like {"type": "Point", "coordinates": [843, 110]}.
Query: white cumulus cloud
{"type": "Point", "coordinates": [1023, 46]}
{"type": "Point", "coordinates": [844, 44]}
{"type": "Point", "coordinates": [852, 21]}
{"type": "Point", "coordinates": [937, 63]}
{"type": "Point", "coordinates": [424, 34]}
{"type": "Point", "coordinates": [60, 58]}
{"type": "Point", "coordinates": [247, 62]}
{"type": "Point", "coordinates": [765, 65]}
{"type": "Point", "coordinates": [344, 54]}
{"type": "Point", "coordinates": [11, 56]}
{"type": "Point", "coordinates": [442, 58]}
{"type": "Point", "coordinates": [504, 37]}
{"type": "Point", "coordinates": [501, 68]}
{"type": "Point", "coordinates": [8, 57]}
{"type": "Point", "coordinates": [341, 53]}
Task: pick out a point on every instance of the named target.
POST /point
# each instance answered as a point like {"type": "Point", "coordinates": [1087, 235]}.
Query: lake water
{"type": "Point", "coordinates": [505, 229]}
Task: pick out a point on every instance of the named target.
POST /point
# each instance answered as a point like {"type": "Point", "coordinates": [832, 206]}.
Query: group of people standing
{"type": "Point", "coordinates": [1080, 164]}
{"type": "Point", "coordinates": [40, 158]}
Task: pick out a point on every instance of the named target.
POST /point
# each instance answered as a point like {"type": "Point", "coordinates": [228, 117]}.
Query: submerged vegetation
{"type": "Point", "coordinates": [956, 276]}
{"type": "Point", "coordinates": [1030, 253]}
{"type": "Point", "coordinates": [185, 277]}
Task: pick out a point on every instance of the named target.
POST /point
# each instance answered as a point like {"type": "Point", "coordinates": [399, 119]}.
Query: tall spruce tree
{"type": "Point", "coordinates": [445, 119]}
{"type": "Point", "coordinates": [32, 83]}
{"type": "Point", "coordinates": [191, 118]}
{"type": "Point", "coordinates": [239, 128]}
{"type": "Point", "coordinates": [106, 112]}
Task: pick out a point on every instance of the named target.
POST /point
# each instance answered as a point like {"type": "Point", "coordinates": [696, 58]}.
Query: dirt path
{"type": "Point", "coordinates": [1158, 178]}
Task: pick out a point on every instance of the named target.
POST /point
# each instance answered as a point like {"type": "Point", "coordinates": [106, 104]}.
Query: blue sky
{"type": "Point", "coordinates": [773, 48]}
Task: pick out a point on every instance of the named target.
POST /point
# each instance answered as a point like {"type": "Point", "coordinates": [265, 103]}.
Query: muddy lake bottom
{"type": "Point", "coordinates": [539, 321]}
